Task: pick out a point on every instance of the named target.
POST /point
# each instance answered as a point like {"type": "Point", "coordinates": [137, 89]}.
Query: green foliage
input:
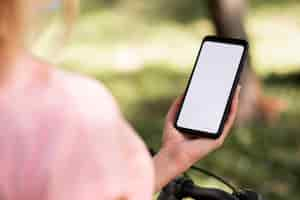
{"type": "Point", "coordinates": [145, 97]}
{"type": "Point", "coordinates": [259, 156]}
{"type": "Point", "coordinates": [178, 10]}
{"type": "Point", "coordinates": [181, 11]}
{"type": "Point", "coordinates": [159, 38]}
{"type": "Point", "coordinates": [90, 5]}
{"type": "Point", "coordinates": [270, 3]}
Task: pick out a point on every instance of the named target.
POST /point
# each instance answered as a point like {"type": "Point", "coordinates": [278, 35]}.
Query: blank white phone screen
{"type": "Point", "coordinates": [210, 87]}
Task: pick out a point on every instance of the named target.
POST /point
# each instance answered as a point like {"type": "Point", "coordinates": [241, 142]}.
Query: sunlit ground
{"type": "Point", "coordinates": [115, 40]}
{"type": "Point", "coordinates": [146, 65]}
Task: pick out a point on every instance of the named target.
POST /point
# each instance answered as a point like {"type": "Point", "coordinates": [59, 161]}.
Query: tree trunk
{"type": "Point", "coordinates": [228, 17]}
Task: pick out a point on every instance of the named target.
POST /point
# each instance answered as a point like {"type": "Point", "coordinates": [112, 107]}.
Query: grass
{"type": "Point", "coordinates": [124, 40]}
{"type": "Point", "coordinates": [258, 156]}
{"type": "Point", "coordinates": [146, 63]}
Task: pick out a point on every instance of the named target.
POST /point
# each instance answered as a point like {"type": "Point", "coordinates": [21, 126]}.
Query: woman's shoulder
{"type": "Point", "coordinates": [89, 96]}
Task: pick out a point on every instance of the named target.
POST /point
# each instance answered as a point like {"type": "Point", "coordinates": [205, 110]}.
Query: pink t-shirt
{"type": "Point", "coordinates": [65, 138]}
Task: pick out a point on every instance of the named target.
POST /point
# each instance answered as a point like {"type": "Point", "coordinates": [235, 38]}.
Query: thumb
{"type": "Point", "coordinates": [171, 116]}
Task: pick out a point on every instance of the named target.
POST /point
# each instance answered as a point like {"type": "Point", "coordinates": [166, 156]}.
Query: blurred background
{"type": "Point", "coordinates": [144, 52]}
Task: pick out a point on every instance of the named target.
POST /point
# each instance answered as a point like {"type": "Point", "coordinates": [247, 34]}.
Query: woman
{"type": "Point", "coordinates": [63, 136]}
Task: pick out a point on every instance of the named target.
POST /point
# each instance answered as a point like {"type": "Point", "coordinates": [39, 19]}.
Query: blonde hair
{"type": "Point", "coordinates": [12, 23]}
{"type": "Point", "coordinates": [15, 19]}
{"type": "Point", "coordinates": [71, 8]}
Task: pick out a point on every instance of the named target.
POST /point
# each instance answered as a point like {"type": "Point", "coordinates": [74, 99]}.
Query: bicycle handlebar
{"type": "Point", "coordinates": [183, 188]}
{"type": "Point", "coordinates": [199, 193]}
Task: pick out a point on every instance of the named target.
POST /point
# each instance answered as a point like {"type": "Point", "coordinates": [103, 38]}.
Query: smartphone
{"type": "Point", "coordinates": [211, 87]}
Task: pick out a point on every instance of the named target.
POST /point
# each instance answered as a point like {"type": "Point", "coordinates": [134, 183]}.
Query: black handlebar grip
{"type": "Point", "coordinates": [199, 193]}
{"type": "Point", "coordinates": [183, 188]}
{"type": "Point", "coordinates": [248, 195]}
{"type": "Point", "coordinates": [166, 196]}
{"type": "Point", "coordinates": [169, 191]}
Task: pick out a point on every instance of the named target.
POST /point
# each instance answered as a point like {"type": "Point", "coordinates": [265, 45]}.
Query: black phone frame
{"type": "Point", "coordinates": [205, 134]}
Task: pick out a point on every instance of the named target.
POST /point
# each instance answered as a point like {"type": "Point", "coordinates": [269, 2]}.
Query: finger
{"type": "Point", "coordinates": [171, 116]}
{"type": "Point", "coordinates": [233, 113]}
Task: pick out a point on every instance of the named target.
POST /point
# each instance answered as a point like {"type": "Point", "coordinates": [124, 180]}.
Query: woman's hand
{"type": "Point", "coordinates": [179, 153]}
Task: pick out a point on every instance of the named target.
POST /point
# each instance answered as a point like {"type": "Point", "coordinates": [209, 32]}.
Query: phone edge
{"type": "Point", "coordinates": [198, 133]}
